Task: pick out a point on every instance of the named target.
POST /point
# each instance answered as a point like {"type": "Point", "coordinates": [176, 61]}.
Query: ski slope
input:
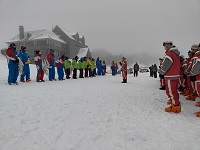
{"type": "Point", "coordinates": [97, 113]}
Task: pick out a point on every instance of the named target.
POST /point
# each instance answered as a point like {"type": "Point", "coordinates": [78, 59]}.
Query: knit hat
{"type": "Point", "coordinates": [52, 50]}
{"type": "Point", "coordinates": [195, 46]}
{"type": "Point", "coordinates": [168, 42]}
{"type": "Point", "coordinates": [12, 44]}
{"type": "Point", "coordinates": [37, 51]}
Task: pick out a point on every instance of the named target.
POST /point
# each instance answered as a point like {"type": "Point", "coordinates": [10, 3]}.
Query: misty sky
{"type": "Point", "coordinates": [119, 26]}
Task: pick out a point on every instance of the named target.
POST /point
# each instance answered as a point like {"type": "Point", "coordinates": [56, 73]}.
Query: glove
{"type": "Point", "coordinates": [16, 61]}
{"type": "Point", "coordinates": [28, 62]}
{"type": "Point", "coordinates": [37, 67]}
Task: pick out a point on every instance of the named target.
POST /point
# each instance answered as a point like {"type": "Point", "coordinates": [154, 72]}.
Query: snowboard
{"type": "Point", "coordinates": [45, 66]}
{"type": "Point", "coordinates": [20, 66]}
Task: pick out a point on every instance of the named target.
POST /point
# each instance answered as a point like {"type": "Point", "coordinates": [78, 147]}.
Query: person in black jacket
{"type": "Point", "coordinates": [136, 69]}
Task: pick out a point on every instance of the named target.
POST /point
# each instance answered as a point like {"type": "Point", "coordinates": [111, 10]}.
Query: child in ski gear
{"type": "Point", "coordinates": [60, 67]}
{"type": "Point", "coordinates": [67, 67]}
{"type": "Point", "coordinates": [104, 68]}
{"type": "Point", "coordinates": [113, 68]}
{"type": "Point", "coordinates": [89, 66]}
{"type": "Point", "coordinates": [169, 69]}
{"type": "Point", "coordinates": [75, 66]}
{"type": "Point", "coordinates": [23, 55]}
{"type": "Point", "coordinates": [98, 66]}
{"type": "Point", "coordinates": [85, 65]}
{"type": "Point", "coordinates": [123, 63]}
{"type": "Point", "coordinates": [93, 67]}
{"type": "Point", "coordinates": [80, 68]}
{"type": "Point", "coordinates": [38, 63]}
{"type": "Point", "coordinates": [13, 62]}
{"type": "Point", "coordinates": [116, 68]}
{"type": "Point", "coordinates": [51, 59]}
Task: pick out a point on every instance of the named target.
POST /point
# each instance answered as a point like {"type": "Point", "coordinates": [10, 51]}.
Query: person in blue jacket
{"type": "Point", "coordinates": [113, 68]}
{"type": "Point", "coordinates": [23, 55]}
{"type": "Point", "coordinates": [60, 67]}
{"type": "Point", "coordinates": [13, 61]}
{"type": "Point", "coordinates": [98, 66]}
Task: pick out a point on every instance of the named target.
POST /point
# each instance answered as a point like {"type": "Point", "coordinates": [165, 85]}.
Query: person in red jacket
{"type": "Point", "coordinates": [192, 96]}
{"type": "Point", "coordinates": [38, 63]}
{"type": "Point", "coordinates": [51, 59]}
{"type": "Point", "coordinates": [171, 74]}
{"type": "Point", "coordinates": [195, 71]}
{"type": "Point", "coordinates": [123, 63]}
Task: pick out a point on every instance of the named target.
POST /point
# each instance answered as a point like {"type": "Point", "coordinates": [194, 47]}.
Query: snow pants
{"type": "Point", "coordinates": [26, 72]}
{"type": "Point", "coordinates": [94, 72]}
{"type": "Point", "coordinates": [99, 71]}
{"type": "Point", "coordinates": [171, 87]}
{"type": "Point", "coordinates": [60, 72]}
{"type": "Point", "coordinates": [113, 72]}
{"type": "Point", "coordinates": [40, 74]}
{"type": "Point", "coordinates": [13, 73]}
{"type": "Point", "coordinates": [124, 75]}
{"type": "Point", "coordinates": [90, 72]}
{"type": "Point", "coordinates": [182, 82]}
{"type": "Point", "coordinates": [67, 72]}
{"type": "Point", "coordinates": [81, 73]}
{"type": "Point", "coordinates": [197, 87]}
{"type": "Point", "coordinates": [86, 72]}
{"type": "Point", "coordinates": [52, 73]}
{"type": "Point", "coordinates": [75, 73]}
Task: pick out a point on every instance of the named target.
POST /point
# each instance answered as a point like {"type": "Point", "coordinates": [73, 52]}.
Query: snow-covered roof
{"type": "Point", "coordinates": [82, 52]}
{"type": "Point", "coordinates": [35, 35]}
{"type": "Point", "coordinates": [67, 33]}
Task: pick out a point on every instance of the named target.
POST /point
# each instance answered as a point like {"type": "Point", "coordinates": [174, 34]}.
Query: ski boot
{"type": "Point", "coordinates": [162, 88]}
{"type": "Point", "coordinates": [173, 108]}
{"type": "Point", "coordinates": [197, 104]}
{"type": "Point", "coordinates": [124, 81]}
{"type": "Point", "coordinates": [191, 97]}
{"type": "Point", "coordinates": [169, 102]}
{"type": "Point", "coordinates": [197, 114]}
{"type": "Point", "coordinates": [186, 92]}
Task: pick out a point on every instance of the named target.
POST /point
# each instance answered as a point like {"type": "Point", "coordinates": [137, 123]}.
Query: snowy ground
{"type": "Point", "coordinates": [93, 114]}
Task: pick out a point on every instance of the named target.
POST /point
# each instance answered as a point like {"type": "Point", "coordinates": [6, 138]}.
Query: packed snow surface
{"type": "Point", "coordinates": [97, 113]}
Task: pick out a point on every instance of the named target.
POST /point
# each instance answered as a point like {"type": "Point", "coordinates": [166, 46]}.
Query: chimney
{"type": "Point", "coordinates": [21, 32]}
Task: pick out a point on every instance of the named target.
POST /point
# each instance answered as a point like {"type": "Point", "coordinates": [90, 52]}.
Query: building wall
{"type": "Point", "coordinates": [73, 46]}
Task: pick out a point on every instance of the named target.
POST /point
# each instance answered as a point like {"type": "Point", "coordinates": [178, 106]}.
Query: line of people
{"type": "Point", "coordinates": [179, 73]}
{"type": "Point", "coordinates": [86, 66]}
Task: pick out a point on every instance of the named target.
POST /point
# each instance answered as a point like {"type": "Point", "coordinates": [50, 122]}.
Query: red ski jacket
{"type": "Point", "coordinates": [171, 65]}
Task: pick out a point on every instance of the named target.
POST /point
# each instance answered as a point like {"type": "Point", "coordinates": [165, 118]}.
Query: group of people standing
{"type": "Point", "coordinates": [86, 66]}
{"type": "Point", "coordinates": [177, 72]}
{"type": "Point", "coordinates": [153, 71]}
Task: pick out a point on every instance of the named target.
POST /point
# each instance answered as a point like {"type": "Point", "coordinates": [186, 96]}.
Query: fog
{"type": "Point", "coordinates": [124, 27]}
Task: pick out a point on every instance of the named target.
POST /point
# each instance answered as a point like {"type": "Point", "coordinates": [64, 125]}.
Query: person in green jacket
{"type": "Point", "coordinates": [75, 66]}
{"type": "Point", "coordinates": [85, 65]}
{"type": "Point", "coordinates": [80, 68]}
{"type": "Point", "coordinates": [67, 66]}
{"type": "Point", "coordinates": [93, 67]}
